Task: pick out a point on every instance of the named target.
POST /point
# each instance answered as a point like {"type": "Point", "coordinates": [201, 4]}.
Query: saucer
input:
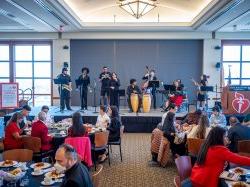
{"type": "Point", "coordinates": [47, 184]}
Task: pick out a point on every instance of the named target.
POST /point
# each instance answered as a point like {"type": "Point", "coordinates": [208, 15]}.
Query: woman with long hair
{"type": "Point", "coordinates": [115, 124]}
{"type": "Point", "coordinates": [212, 158]}
{"type": "Point", "coordinates": [200, 130]}
{"type": "Point", "coordinates": [13, 138]}
{"type": "Point", "coordinates": [77, 129]}
{"type": "Point", "coordinates": [114, 85]}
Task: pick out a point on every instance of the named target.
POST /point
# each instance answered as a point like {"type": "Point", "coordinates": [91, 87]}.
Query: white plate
{"type": "Point", "coordinates": [48, 175]}
{"type": "Point", "coordinates": [8, 165]}
{"type": "Point", "coordinates": [36, 174]}
{"type": "Point", "coordinates": [233, 170]}
{"type": "Point", "coordinates": [47, 184]}
{"type": "Point", "coordinates": [46, 165]}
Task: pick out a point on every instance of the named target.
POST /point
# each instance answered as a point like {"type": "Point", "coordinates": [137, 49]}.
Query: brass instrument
{"type": "Point", "coordinates": [67, 87]}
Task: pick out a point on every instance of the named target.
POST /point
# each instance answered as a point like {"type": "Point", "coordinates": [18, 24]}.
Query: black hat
{"type": "Point", "coordinates": [64, 69]}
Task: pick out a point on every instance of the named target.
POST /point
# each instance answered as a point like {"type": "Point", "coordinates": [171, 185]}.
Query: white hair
{"type": "Point", "coordinates": [42, 116]}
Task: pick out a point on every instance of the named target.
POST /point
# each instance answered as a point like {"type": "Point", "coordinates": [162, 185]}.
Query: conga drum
{"type": "Point", "coordinates": [146, 102]}
{"type": "Point", "coordinates": [134, 99]}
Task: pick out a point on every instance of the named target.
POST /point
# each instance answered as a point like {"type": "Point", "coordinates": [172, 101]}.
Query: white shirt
{"type": "Point", "coordinates": [102, 121]}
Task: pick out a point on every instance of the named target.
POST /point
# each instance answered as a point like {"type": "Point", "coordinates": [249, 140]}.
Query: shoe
{"type": "Point", "coordinates": [70, 109]}
{"type": "Point", "coordinates": [153, 164]}
{"type": "Point", "coordinates": [61, 110]}
{"type": "Point", "coordinates": [103, 158]}
{"type": "Point", "coordinates": [130, 111]}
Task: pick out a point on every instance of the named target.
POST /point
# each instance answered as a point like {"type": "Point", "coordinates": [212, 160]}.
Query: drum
{"type": "Point", "coordinates": [134, 99]}
{"type": "Point", "coordinates": [146, 102]}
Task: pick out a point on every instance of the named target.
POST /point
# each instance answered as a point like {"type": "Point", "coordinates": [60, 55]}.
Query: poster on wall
{"type": "Point", "coordinates": [9, 95]}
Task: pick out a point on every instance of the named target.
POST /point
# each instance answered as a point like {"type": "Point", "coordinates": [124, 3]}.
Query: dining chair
{"type": "Point", "coordinates": [118, 142]}
{"type": "Point", "coordinates": [20, 155]}
{"type": "Point", "coordinates": [194, 145]}
{"type": "Point", "coordinates": [177, 181]}
{"type": "Point", "coordinates": [100, 143]}
{"type": "Point", "coordinates": [97, 175]}
{"type": "Point", "coordinates": [244, 147]}
{"type": "Point", "coordinates": [184, 167]}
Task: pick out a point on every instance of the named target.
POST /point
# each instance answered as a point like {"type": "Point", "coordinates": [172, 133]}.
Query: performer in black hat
{"type": "Point", "coordinates": [66, 89]}
{"type": "Point", "coordinates": [83, 83]}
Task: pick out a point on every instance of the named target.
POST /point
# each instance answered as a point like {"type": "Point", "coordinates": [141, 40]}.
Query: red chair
{"type": "Point", "coordinates": [184, 167]}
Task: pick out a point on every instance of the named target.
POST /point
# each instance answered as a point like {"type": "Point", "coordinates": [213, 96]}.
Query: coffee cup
{"type": "Point", "coordinates": [47, 180]}
{"type": "Point", "coordinates": [37, 171]}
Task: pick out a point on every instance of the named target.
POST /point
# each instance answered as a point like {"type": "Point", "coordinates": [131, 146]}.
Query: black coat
{"type": "Point", "coordinates": [77, 176]}
{"type": "Point", "coordinates": [168, 125]}
{"type": "Point", "coordinates": [114, 129]}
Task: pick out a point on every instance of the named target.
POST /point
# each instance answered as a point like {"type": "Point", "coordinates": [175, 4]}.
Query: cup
{"type": "Point", "coordinates": [37, 171]}
{"type": "Point", "coordinates": [47, 180]}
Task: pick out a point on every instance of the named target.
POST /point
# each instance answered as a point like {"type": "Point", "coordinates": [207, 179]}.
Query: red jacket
{"type": "Point", "coordinates": [9, 141]}
{"type": "Point", "coordinates": [208, 174]}
{"type": "Point", "coordinates": [40, 130]}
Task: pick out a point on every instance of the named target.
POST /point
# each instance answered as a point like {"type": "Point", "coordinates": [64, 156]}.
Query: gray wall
{"type": "Point", "coordinates": [172, 59]}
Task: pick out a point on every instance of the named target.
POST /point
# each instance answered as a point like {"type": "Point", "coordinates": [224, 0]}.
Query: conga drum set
{"type": "Point", "coordinates": [146, 102]}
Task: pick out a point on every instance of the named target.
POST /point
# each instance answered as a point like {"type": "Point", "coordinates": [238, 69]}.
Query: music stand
{"type": "Point", "coordinates": [60, 82]}
{"type": "Point", "coordinates": [169, 88]}
{"type": "Point", "coordinates": [78, 82]}
{"type": "Point", "coordinates": [154, 84]}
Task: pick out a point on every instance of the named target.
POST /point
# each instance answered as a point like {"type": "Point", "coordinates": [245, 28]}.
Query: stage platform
{"type": "Point", "coordinates": [133, 122]}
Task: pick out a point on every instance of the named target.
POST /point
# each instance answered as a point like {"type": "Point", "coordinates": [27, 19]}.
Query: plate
{"type": "Point", "coordinates": [55, 177]}
{"type": "Point", "coordinates": [3, 164]}
{"type": "Point", "coordinates": [43, 165]}
{"type": "Point", "coordinates": [47, 184]}
{"type": "Point", "coordinates": [234, 170]}
{"type": "Point", "coordinates": [36, 174]}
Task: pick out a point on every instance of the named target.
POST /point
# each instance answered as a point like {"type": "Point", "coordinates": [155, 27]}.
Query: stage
{"type": "Point", "coordinates": [135, 123]}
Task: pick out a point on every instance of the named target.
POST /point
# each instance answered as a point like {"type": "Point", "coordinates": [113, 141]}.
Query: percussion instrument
{"type": "Point", "coordinates": [177, 100]}
{"type": "Point", "coordinates": [146, 102]}
{"type": "Point", "coordinates": [134, 99]}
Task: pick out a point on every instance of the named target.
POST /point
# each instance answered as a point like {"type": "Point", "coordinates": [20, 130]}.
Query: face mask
{"type": "Point", "coordinates": [59, 168]}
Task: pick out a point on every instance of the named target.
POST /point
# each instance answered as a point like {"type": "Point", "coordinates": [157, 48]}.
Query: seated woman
{"type": "Point", "coordinates": [103, 119]}
{"type": "Point", "coordinates": [201, 130]}
{"type": "Point", "coordinates": [115, 124]}
{"type": "Point", "coordinates": [212, 158]}
{"type": "Point", "coordinates": [169, 131]}
{"type": "Point", "coordinates": [13, 138]}
{"type": "Point", "coordinates": [77, 129]}
{"type": "Point", "coordinates": [217, 118]}
{"type": "Point", "coordinates": [40, 130]}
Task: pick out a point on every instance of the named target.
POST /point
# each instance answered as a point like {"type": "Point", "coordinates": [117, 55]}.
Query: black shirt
{"type": "Point", "coordinates": [105, 81]}
{"type": "Point", "coordinates": [84, 82]}
{"type": "Point", "coordinates": [114, 83]}
{"type": "Point", "coordinates": [77, 176]}
{"type": "Point", "coordinates": [65, 78]}
{"type": "Point", "coordinates": [134, 89]}
{"type": "Point", "coordinates": [114, 129]}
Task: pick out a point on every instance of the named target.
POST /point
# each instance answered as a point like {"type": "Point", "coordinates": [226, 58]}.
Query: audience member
{"type": "Point", "coordinates": [48, 120]}
{"type": "Point", "coordinates": [76, 174]}
{"type": "Point", "coordinates": [217, 118]}
{"type": "Point", "coordinates": [246, 120]}
{"type": "Point", "coordinates": [77, 129]}
{"type": "Point", "coordinates": [192, 118]}
{"type": "Point", "coordinates": [212, 158]}
{"type": "Point", "coordinates": [103, 119]}
{"type": "Point", "coordinates": [26, 119]}
{"type": "Point", "coordinates": [115, 124]}
{"type": "Point", "coordinates": [236, 133]}
{"type": "Point", "coordinates": [40, 130]}
{"type": "Point", "coordinates": [13, 138]}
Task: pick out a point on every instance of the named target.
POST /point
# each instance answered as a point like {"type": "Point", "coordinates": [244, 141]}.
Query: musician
{"type": "Point", "coordinates": [83, 82]}
{"type": "Point", "coordinates": [105, 78]}
{"type": "Point", "coordinates": [202, 95]}
{"type": "Point", "coordinates": [66, 89]}
{"type": "Point", "coordinates": [114, 85]}
{"type": "Point", "coordinates": [134, 89]}
{"type": "Point", "coordinates": [150, 76]}
{"type": "Point", "coordinates": [173, 95]}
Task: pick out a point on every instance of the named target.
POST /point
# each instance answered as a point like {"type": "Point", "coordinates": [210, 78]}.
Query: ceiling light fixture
{"type": "Point", "coordinates": [137, 8]}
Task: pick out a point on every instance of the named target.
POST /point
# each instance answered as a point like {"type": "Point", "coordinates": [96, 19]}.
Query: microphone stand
{"type": "Point", "coordinates": [94, 90]}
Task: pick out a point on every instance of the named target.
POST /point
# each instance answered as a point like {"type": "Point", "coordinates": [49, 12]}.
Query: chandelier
{"type": "Point", "coordinates": [137, 8]}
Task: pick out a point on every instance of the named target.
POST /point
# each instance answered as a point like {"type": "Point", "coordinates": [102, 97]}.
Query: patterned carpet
{"type": "Point", "coordinates": [134, 171]}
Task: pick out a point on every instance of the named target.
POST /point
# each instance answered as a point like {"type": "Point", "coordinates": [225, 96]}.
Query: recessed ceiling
{"type": "Point", "coordinates": [172, 12]}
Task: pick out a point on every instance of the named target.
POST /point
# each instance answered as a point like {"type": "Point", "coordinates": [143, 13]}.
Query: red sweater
{"type": "Point", "coordinates": [9, 141]}
{"type": "Point", "coordinates": [40, 130]}
{"type": "Point", "coordinates": [208, 174]}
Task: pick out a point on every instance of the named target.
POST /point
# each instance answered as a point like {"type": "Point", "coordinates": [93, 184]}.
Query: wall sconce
{"type": "Point", "coordinates": [217, 66]}
{"type": "Point", "coordinates": [217, 47]}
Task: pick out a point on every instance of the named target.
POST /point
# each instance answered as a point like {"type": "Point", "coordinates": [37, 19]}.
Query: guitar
{"type": "Point", "coordinates": [144, 84]}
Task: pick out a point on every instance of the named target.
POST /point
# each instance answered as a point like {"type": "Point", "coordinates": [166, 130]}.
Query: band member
{"type": "Point", "coordinates": [176, 95]}
{"type": "Point", "coordinates": [134, 89]}
{"type": "Point", "coordinates": [65, 90]}
{"type": "Point", "coordinates": [83, 82]}
{"type": "Point", "coordinates": [150, 76]}
{"type": "Point", "coordinates": [114, 85]}
{"type": "Point", "coordinates": [105, 78]}
{"type": "Point", "coordinates": [202, 95]}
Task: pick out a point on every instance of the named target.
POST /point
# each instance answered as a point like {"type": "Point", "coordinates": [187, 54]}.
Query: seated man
{"type": "Point", "coordinates": [217, 118]}
{"type": "Point", "coordinates": [236, 133]}
{"type": "Point", "coordinates": [26, 118]}
{"type": "Point", "coordinates": [76, 174]}
{"type": "Point", "coordinates": [48, 120]}
{"type": "Point", "coordinates": [134, 89]}
{"type": "Point", "coordinates": [40, 130]}
{"type": "Point", "coordinates": [103, 119]}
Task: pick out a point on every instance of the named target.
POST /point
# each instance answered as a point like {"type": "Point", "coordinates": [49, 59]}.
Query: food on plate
{"type": "Point", "coordinates": [239, 171]}
{"type": "Point", "coordinates": [16, 171]}
{"type": "Point", "coordinates": [7, 163]}
{"type": "Point", "coordinates": [54, 174]}
{"type": "Point", "coordinates": [239, 184]}
{"type": "Point", "coordinates": [39, 165]}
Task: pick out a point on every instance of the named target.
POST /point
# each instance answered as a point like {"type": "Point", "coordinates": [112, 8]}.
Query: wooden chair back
{"type": "Point", "coordinates": [20, 155]}
{"type": "Point", "coordinates": [32, 143]}
{"type": "Point", "coordinates": [184, 167]}
{"type": "Point", "coordinates": [244, 146]}
{"type": "Point", "coordinates": [194, 145]}
{"type": "Point", "coordinates": [97, 175]}
{"type": "Point", "coordinates": [101, 138]}
{"type": "Point", "coordinates": [177, 182]}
